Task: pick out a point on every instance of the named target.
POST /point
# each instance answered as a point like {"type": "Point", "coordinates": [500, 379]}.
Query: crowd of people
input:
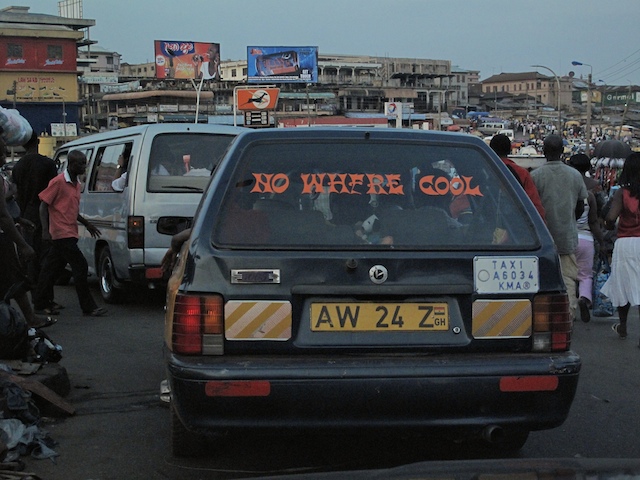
{"type": "Point", "coordinates": [39, 216]}
{"type": "Point", "coordinates": [578, 214]}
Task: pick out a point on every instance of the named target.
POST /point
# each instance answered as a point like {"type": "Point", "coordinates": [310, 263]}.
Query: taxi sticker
{"type": "Point", "coordinates": [505, 275]}
{"type": "Point", "coordinates": [501, 318]}
{"type": "Point", "coordinates": [257, 320]}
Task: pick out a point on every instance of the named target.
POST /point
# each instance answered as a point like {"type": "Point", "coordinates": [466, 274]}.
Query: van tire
{"type": "Point", "coordinates": [106, 277]}
{"type": "Point", "coordinates": [183, 442]}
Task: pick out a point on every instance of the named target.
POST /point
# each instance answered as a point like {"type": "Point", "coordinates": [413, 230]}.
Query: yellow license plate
{"type": "Point", "coordinates": [379, 317]}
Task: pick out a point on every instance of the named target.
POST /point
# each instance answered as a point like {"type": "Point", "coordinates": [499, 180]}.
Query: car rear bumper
{"type": "Point", "coordinates": [528, 391]}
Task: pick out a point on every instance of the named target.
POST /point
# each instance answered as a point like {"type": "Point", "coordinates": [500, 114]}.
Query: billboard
{"type": "Point", "coordinates": [282, 64]}
{"type": "Point", "coordinates": [257, 98]}
{"type": "Point", "coordinates": [187, 60]}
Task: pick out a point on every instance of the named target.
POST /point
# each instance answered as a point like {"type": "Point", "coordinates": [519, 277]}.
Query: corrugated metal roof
{"type": "Point", "coordinates": [205, 94]}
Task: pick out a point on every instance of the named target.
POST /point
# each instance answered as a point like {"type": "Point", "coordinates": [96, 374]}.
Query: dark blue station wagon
{"type": "Point", "coordinates": [367, 278]}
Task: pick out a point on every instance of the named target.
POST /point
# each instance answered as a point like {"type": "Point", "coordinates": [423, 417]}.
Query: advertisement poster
{"type": "Point", "coordinates": [187, 60]}
{"type": "Point", "coordinates": [282, 64]}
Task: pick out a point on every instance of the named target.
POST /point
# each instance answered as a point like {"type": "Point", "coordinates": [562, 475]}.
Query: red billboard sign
{"type": "Point", "coordinates": [257, 98]}
{"type": "Point", "coordinates": [187, 60]}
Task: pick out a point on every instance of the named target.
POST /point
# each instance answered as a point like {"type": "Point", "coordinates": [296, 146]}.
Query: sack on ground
{"type": "Point", "coordinates": [602, 306]}
{"type": "Point", "coordinates": [14, 340]}
{"type": "Point", "coordinates": [14, 128]}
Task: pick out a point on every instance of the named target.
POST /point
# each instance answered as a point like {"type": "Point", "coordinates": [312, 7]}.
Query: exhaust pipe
{"type": "Point", "coordinates": [493, 434]}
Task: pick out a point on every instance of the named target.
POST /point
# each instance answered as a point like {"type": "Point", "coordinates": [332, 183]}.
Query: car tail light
{"type": "Point", "coordinates": [197, 324]}
{"type": "Point", "coordinates": [552, 324]}
{"type": "Point", "coordinates": [135, 232]}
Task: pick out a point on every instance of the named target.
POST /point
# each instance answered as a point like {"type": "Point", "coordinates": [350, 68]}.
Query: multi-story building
{"type": "Point", "coordinates": [39, 67]}
{"type": "Point", "coordinates": [543, 89]}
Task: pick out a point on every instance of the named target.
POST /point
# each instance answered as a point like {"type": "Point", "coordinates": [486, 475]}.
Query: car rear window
{"type": "Point", "coordinates": [370, 194]}
{"type": "Point", "coordinates": [183, 162]}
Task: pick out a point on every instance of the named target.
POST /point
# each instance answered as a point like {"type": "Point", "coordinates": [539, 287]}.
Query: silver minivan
{"type": "Point", "coordinates": [168, 167]}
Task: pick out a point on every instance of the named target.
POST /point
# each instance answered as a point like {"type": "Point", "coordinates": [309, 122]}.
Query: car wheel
{"type": "Point", "coordinates": [106, 277]}
{"type": "Point", "coordinates": [183, 442]}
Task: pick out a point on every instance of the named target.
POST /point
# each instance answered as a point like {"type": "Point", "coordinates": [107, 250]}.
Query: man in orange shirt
{"type": "Point", "coordinates": [501, 144]}
{"type": "Point", "coordinates": [60, 214]}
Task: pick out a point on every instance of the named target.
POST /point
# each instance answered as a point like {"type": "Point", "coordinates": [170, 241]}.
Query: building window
{"type": "Point", "coordinates": [109, 60]}
{"type": "Point", "coordinates": [233, 73]}
{"type": "Point", "coordinates": [14, 50]}
{"type": "Point", "coordinates": [54, 51]}
{"type": "Point", "coordinates": [244, 71]}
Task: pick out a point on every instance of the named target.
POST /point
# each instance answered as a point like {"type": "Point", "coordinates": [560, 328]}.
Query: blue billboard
{"type": "Point", "coordinates": [282, 64]}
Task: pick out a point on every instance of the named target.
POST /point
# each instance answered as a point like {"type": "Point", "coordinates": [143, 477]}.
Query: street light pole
{"type": "Point", "coordinates": [558, 99]}
{"type": "Point", "coordinates": [589, 78]}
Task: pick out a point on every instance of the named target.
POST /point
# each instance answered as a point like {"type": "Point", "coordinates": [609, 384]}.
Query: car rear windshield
{"type": "Point", "coordinates": [370, 195]}
{"type": "Point", "coordinates": [183, 162]}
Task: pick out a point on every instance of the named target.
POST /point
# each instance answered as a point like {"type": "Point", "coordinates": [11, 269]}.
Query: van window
{"type": "Point", "coordinates": [183, 162]}
{"type": "Point", "coordinates": [106, 162]}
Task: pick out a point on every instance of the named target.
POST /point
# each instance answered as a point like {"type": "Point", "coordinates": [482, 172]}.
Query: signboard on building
{"type": "Point", "coordinates": [187, 60]}
{"type": "Point", "coordinates": [41, 87]}
{"type": "Point", "coordinates": [44, 55]}
{"type": "Point", "coordinates": [120, 87]}
{"type": "Point", "coordinates": [282, 64]}
{"type": "Point", "coordinates": [97, 78]}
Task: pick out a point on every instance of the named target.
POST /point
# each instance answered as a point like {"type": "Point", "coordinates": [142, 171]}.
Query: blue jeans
{"type": "Point", "coordinates": [63, 251]}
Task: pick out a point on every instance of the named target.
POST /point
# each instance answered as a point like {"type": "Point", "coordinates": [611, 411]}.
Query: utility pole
{"type": "Point", "coordinates": [624, 113]}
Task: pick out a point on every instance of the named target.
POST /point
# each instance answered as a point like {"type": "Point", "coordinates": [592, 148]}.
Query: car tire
{"type": "Point", "coordinates": [106, 277]}
{"type": "Point", "coordinates": [183, 442]}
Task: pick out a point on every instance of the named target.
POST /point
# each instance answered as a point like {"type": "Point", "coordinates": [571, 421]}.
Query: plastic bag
{"type": "Point", "coordinates": [602, 306]}
{"type": "Point", "coordinates": [14, 128]}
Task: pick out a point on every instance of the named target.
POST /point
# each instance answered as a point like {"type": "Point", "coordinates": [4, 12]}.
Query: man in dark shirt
{"type": "Point", "coordinates": [32, 174]}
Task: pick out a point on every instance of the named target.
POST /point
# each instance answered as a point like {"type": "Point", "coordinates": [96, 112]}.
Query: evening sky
{"type": "Point", "coordinates": [492, 36]}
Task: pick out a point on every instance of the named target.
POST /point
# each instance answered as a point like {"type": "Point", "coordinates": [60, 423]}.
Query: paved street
{"type": "Point", "coordinates": [121, 430]}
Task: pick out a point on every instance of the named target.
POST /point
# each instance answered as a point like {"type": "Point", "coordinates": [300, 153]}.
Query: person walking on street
{"type": "Point", "coordinates": [501, 144]}
{"type": "Point", "coordinates": [623, 285]}
{"type": "Point", "coordinates": [562, 192]}
{"type": "Point", "coordinates": [31, 174]}
{"type": "Point", "coordinates": [589, 229]}
{"type": "Point", "coordinates": [60, 214]}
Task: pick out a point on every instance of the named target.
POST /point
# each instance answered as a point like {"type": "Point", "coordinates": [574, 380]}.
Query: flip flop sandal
{"type": "Point", "coordinates": [47, 323]}
{"type": "Point", "coordinates": [616, 328]}
{"type": "Point", "coordinates": [56, 306]}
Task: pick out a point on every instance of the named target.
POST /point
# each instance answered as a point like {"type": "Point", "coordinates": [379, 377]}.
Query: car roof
{"type": "Point", "coordinates": [155, 129]}
{"type": "Point", "coordinates": [356, 133]}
